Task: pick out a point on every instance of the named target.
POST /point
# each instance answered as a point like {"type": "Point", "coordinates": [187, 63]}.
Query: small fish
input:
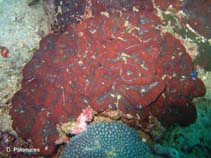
{"type": "Point", "coordinates": [193, 74]}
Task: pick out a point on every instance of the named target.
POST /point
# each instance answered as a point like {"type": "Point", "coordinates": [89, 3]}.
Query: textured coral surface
{"type": "Point", "coordinates": [74, 11]}
{"type": "Point", "coordinates": [199, 16]}
{"type": "Point", "coordinates": [115, 60]}
{"type": "Point", "coordinates": [107, 140]}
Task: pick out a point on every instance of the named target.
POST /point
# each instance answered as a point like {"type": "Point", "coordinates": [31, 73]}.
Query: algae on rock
{"type": "Point", "coordinates": [21, 28]}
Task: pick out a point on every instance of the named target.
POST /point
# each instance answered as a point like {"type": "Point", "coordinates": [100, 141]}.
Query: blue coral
{"type": "Point", "coordinates": [107, 140]}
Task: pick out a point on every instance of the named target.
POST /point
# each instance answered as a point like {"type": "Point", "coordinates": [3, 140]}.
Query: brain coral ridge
{"type": "Point", "coordinates": [107, 140]}
{"type": "Point", "coordinates": [111, 61]}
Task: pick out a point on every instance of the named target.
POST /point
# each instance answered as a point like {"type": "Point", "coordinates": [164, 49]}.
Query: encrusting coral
{"type": "Point", "coordinates": [116, 60]}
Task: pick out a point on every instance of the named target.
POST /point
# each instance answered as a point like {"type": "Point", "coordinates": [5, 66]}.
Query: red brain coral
{"type": "Point", "coordinates": [117, 61]}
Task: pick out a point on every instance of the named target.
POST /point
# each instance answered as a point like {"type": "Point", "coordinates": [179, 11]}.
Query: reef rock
{"type": "Point", "coordinates": [118, 60]}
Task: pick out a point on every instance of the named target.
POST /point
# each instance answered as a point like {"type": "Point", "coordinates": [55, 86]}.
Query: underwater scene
{"type": "Point", "coordinates": [105, 79]}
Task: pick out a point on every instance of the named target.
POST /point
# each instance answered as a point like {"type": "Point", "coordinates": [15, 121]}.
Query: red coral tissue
{"type": "Point", "coordinates": [116, 60]}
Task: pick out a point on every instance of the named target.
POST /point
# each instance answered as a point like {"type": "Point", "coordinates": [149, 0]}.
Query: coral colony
{"type": "Point", "coordinates": [113, 139]}
{"type": "Point", "coordinates": [107, 140]}
{"type": "Point", "coordinates": [116, 58]}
